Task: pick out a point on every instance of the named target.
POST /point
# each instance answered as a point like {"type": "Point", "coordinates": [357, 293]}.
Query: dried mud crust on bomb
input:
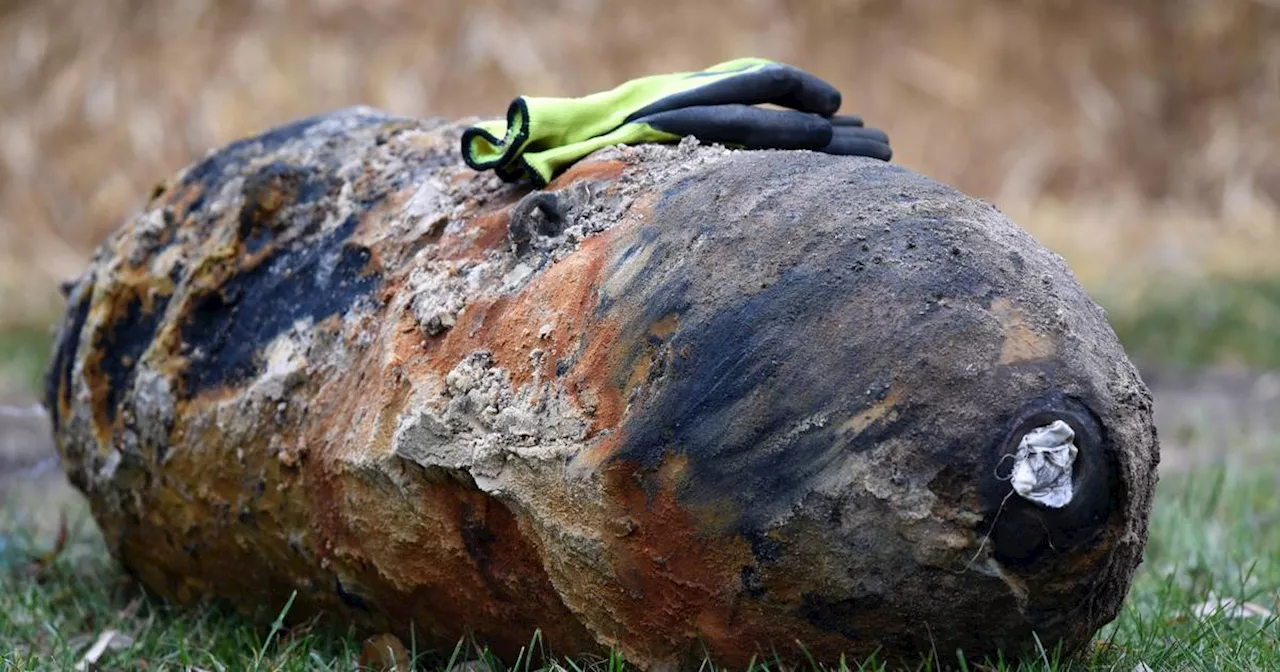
{"type": "Point", "coordinates": [685, 397]}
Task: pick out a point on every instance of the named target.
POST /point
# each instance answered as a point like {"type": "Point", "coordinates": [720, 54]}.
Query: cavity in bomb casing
{"type": "Point", "coordinates": [684, 398]}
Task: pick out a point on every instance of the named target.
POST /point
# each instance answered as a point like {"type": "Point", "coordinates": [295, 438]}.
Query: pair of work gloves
{"type": "Point", "coordinates": [542, 136]}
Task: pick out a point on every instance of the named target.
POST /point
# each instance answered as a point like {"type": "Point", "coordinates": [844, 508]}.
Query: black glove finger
{"type": "Point", "coordinates": [846, 120]}
{"type": "Point", "coordinates": [750, 127]}
{"type": "Point", "coordinates": [863, 132]}
{"type": "Point", "coordinates": [870, 142]}
{"type": "Point", "coordinates": [777, 84]}
{"type": "Point", "coordinates": [802, 91]}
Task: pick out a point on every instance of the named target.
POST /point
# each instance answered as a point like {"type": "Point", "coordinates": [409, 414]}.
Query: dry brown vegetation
{"type": "Point", "coordinates": [1132, 137]}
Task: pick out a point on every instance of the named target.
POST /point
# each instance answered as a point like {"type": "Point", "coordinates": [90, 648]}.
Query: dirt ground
{"type": "Point", "coordinates": [1216, 415]}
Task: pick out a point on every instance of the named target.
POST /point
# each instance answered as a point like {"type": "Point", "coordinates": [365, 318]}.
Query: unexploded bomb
{"type": "Point", "coordinates": [686, 399]}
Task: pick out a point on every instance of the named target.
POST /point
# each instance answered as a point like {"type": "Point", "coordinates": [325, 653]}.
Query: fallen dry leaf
{"type": "Point", "coordinates": [384, 653]}
{"type": "Point", "coordinates": [109, 640]}
{"type": "Point", "coordinates": [130, 610]}
{"type": "Point", "coordinates": [1229, 608]}
{"type": "Point", "coordinates": [1102, 646]}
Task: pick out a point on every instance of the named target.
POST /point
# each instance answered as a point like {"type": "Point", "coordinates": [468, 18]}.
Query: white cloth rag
{"type": "Point", "coordinates": [1042, 465]}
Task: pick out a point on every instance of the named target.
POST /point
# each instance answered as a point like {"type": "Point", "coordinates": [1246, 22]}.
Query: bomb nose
{"type": "Point", "coordinates": [1053, 482]}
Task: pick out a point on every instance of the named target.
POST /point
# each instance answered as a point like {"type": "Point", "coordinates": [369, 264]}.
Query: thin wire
{"type": "Point", "coordinates": [996, 471]}
{"type": "Point", "coordinates": [987, 536]}
{"type": "Point", "coordinates": [991, 530]}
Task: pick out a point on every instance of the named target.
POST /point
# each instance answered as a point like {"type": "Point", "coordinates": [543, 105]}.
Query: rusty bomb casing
{"type": "Point", "coordinates": [685, 397]}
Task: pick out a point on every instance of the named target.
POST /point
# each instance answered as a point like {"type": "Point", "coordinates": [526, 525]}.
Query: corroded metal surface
{"type": "Point", "coordinates": [686, 397]}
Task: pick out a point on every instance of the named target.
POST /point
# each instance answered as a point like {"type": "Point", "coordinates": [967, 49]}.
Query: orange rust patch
{"type": "Point", "coordinates": [594, 387]}
{"type": "Point", "coordinates": [417, 545]}
{"type": "Point", "coordinates": [408, 342]}
{"type": "Point", "coordinates": [682, 582]}
{"type": "Point", "coordinates": [561, 298]}
{"type": "Point", "coordinates": [448, 555]}
{"type": "Point", "coordinates": [220, 519]}
{"type": "Point", "coordinates": [97, 383]}
{"type": "Point", "coordinates": [182, 199]}
{"type": "Point", "coordinates": [672, 572]}
{"type": "Point", "coordinates": [486, 231]}
{"type": "Point", "coordinates": [873, 413]}
{"type": "Point", "coordinates": [551, 314]}
{"type": "Point", "coordinates": [604, 171]}
{"type": "Point", "coordinates": [389, 416]}
{"type": "Point", "coordinates": [606, 371]}
{"type": "Point", "coordinates": [642, 363]}
{"type": "Point", "coordinates": [641, 368]}
{"type": "Point", "coordinates": [664, 327]}
{"type": "Point", "coordinates": [673, 471]}
{"type": "Point", "coordinates": [1022, 343]}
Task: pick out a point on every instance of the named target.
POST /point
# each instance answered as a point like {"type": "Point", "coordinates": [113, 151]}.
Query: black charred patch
{"type": "Point", "coordinates": [764, 548]}
{"type": "Point", "coordinates": [477, 540]}
{"type": "Point", "coordinates": [349, 598]}
{"type": "Point", "coordinates": [766, 380]}
{"type": "Point", "coordinates": [682, 185]}
{"type": "Point", "coordinates": [176, 273]}
{"type": "Point", "coordinates": [828, 615]}
{"type": "Point", "coordinates": [122, 343]}
{"type": "Point", "coordinates": [57, 386]}
{"type": "Point", "coordinates": [207, 176]}
{"type": "Point", "coordinates": [275, 188]}
{"type": "Point", "coordinates": [225, 331]}
{"type": "Point", "coordinates": [847, 616]}
{"type": "Point", "coordinates": [752, 585]}
{"type": "Point", "coordinates": [736, 405]}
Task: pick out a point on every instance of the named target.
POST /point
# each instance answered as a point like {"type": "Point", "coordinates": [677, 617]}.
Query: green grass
{"type": "Point", "coordinates": [1215, 534]}
{"type": "Point", "coordinates": [1217, 321]}
{"type": "Point", "coordinates": [24, 354]}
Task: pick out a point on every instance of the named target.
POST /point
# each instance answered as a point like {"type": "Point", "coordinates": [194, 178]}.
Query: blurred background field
{"type": "Point", "coordinates": [1141, 140]}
